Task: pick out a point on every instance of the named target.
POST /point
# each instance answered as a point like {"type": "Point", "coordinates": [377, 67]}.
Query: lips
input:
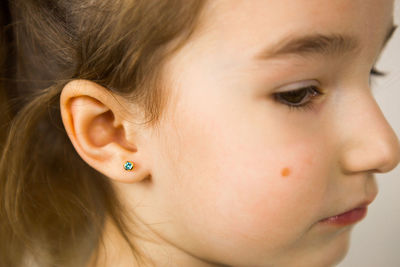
{"type": "Point", "coordinates": [346, 218]}
{"type": "Point", "coordinates": [352, 215]}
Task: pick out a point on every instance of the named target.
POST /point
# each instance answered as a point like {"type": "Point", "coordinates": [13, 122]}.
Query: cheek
{"type": "Point", "coordinates": [277, 192]}
{"type": "Point", "coordinates": [252, 190]}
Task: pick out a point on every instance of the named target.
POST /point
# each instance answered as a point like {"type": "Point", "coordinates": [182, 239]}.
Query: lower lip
{"type": "Point", "coordinates": [347, 218]}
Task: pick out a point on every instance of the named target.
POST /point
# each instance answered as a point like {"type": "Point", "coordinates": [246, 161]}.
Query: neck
{"type": "Point", "coordinates": [115, 251]}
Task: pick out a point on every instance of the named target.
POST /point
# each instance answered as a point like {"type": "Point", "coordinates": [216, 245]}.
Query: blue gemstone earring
{"type": "Point", "coordinates": [128, 166]}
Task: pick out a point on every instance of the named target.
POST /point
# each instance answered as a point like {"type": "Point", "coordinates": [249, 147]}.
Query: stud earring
{"type": "Point", "coordinates": [128, 166]}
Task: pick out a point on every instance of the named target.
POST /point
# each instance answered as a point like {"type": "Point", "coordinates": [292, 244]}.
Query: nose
{"type": "Point", "coordinates": [369, 142]}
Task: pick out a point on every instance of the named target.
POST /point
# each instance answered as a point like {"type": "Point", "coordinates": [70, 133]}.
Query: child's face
{"type": "Point", "coordinates": [242, 179]}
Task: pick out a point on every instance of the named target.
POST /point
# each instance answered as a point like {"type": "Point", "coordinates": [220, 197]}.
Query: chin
{"type": "Point", "coordinates": [332, 252]}
{"type": "Point", "coordinates": [325, 253]}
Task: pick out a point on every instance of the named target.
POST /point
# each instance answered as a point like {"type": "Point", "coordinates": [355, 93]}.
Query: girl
{"type": "Point", "coordinates": [189, 132]}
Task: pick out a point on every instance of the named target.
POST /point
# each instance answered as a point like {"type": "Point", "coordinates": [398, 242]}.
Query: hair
{"type": "Point", "coordinates": [49, 211]}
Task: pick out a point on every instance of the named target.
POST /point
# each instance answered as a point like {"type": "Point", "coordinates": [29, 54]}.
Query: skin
{"type": "Point", "coordinates": [231, 176]}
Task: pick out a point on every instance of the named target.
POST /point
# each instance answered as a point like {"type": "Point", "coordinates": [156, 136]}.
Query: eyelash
{"type": "Point", "coordinates": [313, 92]}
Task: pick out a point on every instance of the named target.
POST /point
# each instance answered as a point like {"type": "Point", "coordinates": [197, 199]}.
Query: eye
{"type": "Point", "coordinates": [301, 99]}
{"type": "Point", "coordinates": [304, 98]}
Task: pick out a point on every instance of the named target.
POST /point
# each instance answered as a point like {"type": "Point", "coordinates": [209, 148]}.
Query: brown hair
{"type": "Point", "coordinates": [50, 211]}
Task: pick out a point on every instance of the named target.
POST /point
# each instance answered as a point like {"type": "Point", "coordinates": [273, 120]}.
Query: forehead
{"type": "Point", "coordinates": [250, 25]}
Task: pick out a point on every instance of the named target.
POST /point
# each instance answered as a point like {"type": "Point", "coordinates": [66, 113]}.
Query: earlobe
{"type": "Point", "coordinates": [93, 123]}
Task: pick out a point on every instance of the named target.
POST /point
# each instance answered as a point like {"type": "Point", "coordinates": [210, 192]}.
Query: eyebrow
{"type": "Point", "coordinates": [332, 44]}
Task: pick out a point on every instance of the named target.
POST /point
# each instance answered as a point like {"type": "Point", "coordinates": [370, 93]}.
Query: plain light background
{"type": "Point", "coordinates": [375, 241]}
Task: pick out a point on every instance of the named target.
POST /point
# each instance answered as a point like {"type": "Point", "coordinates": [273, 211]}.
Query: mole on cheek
{"type": "Point", "coordinates": [285, 172]}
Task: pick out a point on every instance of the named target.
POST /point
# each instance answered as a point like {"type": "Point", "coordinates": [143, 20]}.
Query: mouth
{"type": "Point", "coordinates": [348, 217]}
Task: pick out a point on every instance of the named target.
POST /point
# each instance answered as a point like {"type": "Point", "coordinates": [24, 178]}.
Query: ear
{"type": "Point", "coordinates": [94, 119]}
